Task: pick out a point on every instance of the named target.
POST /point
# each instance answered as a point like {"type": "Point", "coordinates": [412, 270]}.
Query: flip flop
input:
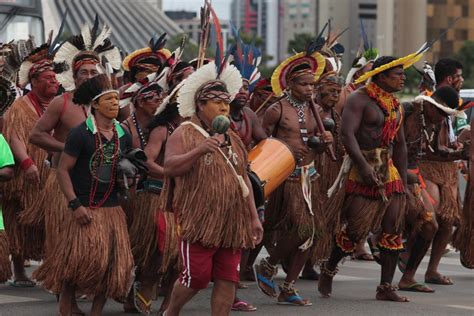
{"type": "Point", "coordinates": [261, 279]}
{"type": "Point", "coordinates": [443, 280]}
{"type": "Point", "coordinates": [416, 287]}
{"type": "Point", "coordinates": [139, 298]}
{"type": "Point", "coordinates": [295, 300]}
{"type": "Point", "coordinates": [22, 283]}
{"type": "Point", "coordinates": [242, 306]}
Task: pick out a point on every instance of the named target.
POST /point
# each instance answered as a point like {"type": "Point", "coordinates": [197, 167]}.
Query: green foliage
{"type": "Point", "coordinates": [298, 43]}
{"type": "Point", "coordinates": [466, 57]}
{"type": "Point", "coordinates": [412, 80]}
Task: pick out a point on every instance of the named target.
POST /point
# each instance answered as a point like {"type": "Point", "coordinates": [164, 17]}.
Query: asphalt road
{"type": "Point", "coordinates": [353, 294]}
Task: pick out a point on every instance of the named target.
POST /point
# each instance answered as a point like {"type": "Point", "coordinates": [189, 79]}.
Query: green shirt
{"type": "Point", "coordinates": [6, 156]}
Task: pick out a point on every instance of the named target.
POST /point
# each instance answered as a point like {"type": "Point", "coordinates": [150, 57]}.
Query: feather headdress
{"type": "Point", "coordinates": [154, 54]}
{"type": "Point", "coordinates": [41, 58]}
{"type": "Point", "coordinates": [365, 55]}
{"type": "Point", "coordinates": [7, 94]}
{"type": "Point", "coordinates": [91, 44]}
{"type": "Point", "coordinates": [13, 54]}
{"type": "Point", "coordinates": [225, 74]}
{"type": "Point", "coordinates": [246, 58]}
{"type": "Point", "coordinates": [311, 58]}
{"type": "Point", "coordinates": [406, 61]}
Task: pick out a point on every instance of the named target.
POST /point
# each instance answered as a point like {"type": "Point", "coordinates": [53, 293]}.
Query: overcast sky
{"type": "Point", "coordinates": [222, 7]}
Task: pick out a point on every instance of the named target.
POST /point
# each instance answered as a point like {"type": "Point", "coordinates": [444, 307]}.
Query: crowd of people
{"type": "Point", "coordinates": [137, 177]}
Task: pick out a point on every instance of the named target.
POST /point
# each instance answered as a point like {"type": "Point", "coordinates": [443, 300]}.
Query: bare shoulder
{"type": "Point", "coordinates": [159, 133]}
{"type": "Point", "coordinates": [251, 114]}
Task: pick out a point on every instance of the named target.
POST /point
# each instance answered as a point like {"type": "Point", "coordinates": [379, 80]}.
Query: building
{"type": "Point", "coordinates": [191, 25]}
{"type": "Point", "coordinates": [440, 14]}
{"type": "Point", "coordinates": [133, 22]}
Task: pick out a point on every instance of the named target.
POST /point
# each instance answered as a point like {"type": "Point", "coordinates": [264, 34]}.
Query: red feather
{"type": "Point", "coordinates": [217, 24]}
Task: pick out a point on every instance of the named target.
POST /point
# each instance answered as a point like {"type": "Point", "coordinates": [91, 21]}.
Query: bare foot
{"type": "Point", "coordinates": [387, 292]}
{"type": "Point", "coordinates": [325, 281]}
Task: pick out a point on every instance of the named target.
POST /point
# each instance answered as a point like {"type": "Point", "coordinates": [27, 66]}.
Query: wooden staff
{"type": "Point", "coordinates": [320, 125]}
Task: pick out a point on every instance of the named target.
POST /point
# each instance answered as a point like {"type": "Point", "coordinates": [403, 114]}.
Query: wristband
{"type": "Point", "coordinates": [74, 204]}
{"type": "Point", "coordinates": [26, 163]}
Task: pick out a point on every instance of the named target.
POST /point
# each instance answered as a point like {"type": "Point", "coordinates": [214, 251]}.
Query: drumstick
{"type": "Point", "coordinates": [264, 102]}
{"type": "Point", "coordinates": [319, 123]}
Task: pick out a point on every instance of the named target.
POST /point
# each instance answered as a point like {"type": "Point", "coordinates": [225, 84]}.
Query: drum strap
{"type": "Point", "coordinates": [243, 185]}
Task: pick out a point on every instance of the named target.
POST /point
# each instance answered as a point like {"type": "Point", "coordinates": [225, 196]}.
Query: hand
{"type": "Point", "coordinates": [369, 176]}
{"type": "Point", "coordinates": [82, 215]}
{"type": "Point", "coordinates": [257, 230]}
{"type": "Point", "coordinates": [210, 145]}
{"type": "Point", "coordinates": [32, 174]}
{"type": "Point", "coordinates": [327, 138]}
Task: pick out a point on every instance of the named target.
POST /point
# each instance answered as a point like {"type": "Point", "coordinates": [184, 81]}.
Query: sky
{"type": "Point", "coordinates": [222, 7]}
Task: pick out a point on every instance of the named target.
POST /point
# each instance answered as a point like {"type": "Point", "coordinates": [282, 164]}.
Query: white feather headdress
{"type": "Point", "coordinates": [186, 94]}
{"type": "Point", "coordinates": [91, 40]}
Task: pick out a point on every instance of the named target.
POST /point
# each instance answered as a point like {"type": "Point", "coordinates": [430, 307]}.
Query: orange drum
{"type": "Point", "coordinates": [271, 163]}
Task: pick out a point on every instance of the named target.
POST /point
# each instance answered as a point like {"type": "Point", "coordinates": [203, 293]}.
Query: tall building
{"type": "Point", "coordinates": [440, 14]}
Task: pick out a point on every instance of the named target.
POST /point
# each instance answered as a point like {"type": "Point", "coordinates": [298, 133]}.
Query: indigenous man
{"type": "Point", "coordinates": [361, 64]}
{"type": "Point", "coordinates": [145, 96]}
{"type": "Point", "coordinates": [289, 215]}
{"type": "Point", "coordinates": [441, 177]}
{"type": "Point", "coordinates": [7, 163]}
{"type": "Point", "coordinates": [420, 120]}
{"type": "Point", "coordinates": [26, 192]}
{"type": "Point", "coordinates": [143, 62]}
{"type": "Point", "coordinates": [374, 173]}
{"type": "Point", "coordinates": [96, 231]}
{"type": "Point", "coordinates": [211, 196]}
{"type": "Point", "coordinates": [245, 123]}
{"type": "Point", "coordinates": [327, 92]}
{"type": "Point", "coordinates": [79, 59]}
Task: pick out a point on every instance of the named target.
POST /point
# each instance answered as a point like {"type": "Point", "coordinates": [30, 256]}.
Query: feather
{"type": "Point", "coordinates": [100, 38]}
{"type": "Point", "coordinates": [157, 43]}
{"type": "Point", "coordinates": [365, 39]}
{"type": "Point", "coordinates": [52, 48]}
{"type": "Point", "coordinates": [94, 31]}
{"type": "Point", "coordinates": [428, 45]}
{"type": "Point", "coordinates": [86, 36]}
{"type": "Point", "coordinates": [218, 30]}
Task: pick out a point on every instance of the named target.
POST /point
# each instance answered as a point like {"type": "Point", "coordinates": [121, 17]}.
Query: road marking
{"type": "Point", "coordinates": [7, 299]}
{"type": "Point", "coordinates": [471, 308]}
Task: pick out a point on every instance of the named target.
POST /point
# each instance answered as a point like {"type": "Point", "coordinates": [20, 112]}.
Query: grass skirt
{"type": "Point", "coordinates": [464, 235]}
{"type": "Point", "coordinates": [445, 175]}
{"type": "Point", "coordinates": [5, 264]}
{"type": "Point", "coordinates": [95, 258]}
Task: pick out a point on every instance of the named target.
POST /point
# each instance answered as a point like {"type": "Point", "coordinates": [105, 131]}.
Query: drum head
{"type": "Point", "coordinates": [257, 187]}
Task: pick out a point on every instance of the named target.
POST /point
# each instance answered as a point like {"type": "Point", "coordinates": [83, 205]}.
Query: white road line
{"type": "Point", "coordinates": [471, 308]}
{"type": "Point", "coordinates": [7, 299]}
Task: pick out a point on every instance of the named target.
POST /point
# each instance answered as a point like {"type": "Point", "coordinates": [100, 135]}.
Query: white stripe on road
{"type": "Point", "coordinates": [7, 299]}
{"type": "Point", "coordinates": [471, 308]}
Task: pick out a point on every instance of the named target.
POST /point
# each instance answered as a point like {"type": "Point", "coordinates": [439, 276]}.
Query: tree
{"type": "Point", "coordinates": [298, 43]}
{"type": "Point", "coordinates": [466, 57]}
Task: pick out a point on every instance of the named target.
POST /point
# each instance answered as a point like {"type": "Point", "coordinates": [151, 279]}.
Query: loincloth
{"type": "Point", "coordinates": [95, 258]}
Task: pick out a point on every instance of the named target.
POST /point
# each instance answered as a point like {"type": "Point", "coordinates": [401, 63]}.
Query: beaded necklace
{"type": "Point", "coordinates": [99, 158]}
{"type": "Point", "coordinates": [141, 135]}
{"type": "Point", "coordinates": [390, 108]}
{"type": "Point", "coordinates": [301, 114]}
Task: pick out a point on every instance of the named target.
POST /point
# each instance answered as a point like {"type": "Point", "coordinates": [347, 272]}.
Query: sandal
{"type": "Point", "coordinates": [264, 273]}
{"type": "Point", "coordinates": [441, 280]}
{"type": "Point", "coordinates": [417, 287]}
{"type": "Point", "coordinates": [138, 298]}
{"type": "Point", "coordinates": [289, 295]}
{"type": "Point", "coordinates": [22, 283]}
{"type": "Point", "coordinates": [242, 306]}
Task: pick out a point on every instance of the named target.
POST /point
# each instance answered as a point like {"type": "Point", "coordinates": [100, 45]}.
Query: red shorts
{"type": "Point", "coordinates": [201, 265]}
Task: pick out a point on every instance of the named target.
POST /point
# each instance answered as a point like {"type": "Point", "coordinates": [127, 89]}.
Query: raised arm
{"type": "Point", "coordinates": [41, 133]}
{"type": "Point", "coordinates": [177, 161]}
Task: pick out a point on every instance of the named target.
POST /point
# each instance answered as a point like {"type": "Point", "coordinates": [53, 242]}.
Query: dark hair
{"type": "Point", "coordinates": [168, 114]}
{"type": "Point", "coordinates": [448, 95]}
{"type": "Point", "coordinates": [383, 60]}
{"type": "Point", "coordinates": [300, 67]}
{"type": "Point", "coordinates": [91, 88]}
{"type": "Point", "coordinates": [446, 67]}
